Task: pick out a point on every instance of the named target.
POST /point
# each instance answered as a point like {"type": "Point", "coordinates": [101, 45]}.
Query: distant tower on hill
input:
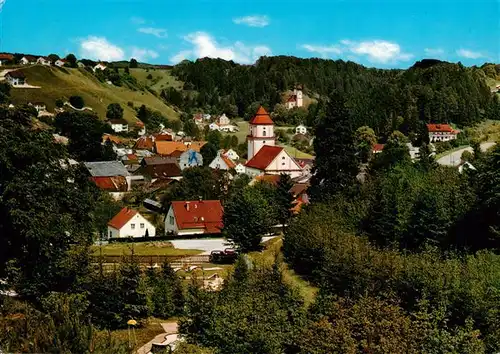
{"type": "Point", "coordinates": [261, 132]}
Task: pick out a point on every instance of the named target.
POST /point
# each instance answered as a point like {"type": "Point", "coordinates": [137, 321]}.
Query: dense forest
{"type": "Point", "coordinates": [429, 91]}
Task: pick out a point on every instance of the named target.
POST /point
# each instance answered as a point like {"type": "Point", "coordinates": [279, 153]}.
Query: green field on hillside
{"type": "Point", "coordinates": [59, 83]}
{"type": "Point", "coordinates": [162, 79]}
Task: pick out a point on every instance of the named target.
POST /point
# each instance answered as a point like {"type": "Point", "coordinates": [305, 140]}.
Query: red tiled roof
{"type": "Point", "coordinates": [292, 98]}
{"type": "Point", "coordinates": [123, 217]}
{"type": "Point", "coordinates": [111, 184]}
{"type": "Point", "coordinates": [163, 137]}
{"type": "Point", "coordinates": [264, 157]}
{"type": "Point", "coordinates": [132, 157]}
{"type": "Point", "coordinates": [16, 74]}
{"type": "Point", "coordinates": [439, 128]}
{"type": "Point", "coordinates": [113, 138]}
{"type": "Point", "coordinates": [5, 56]}
{"type": "Point", "coordinates": [262, 118]}
{"type": "Point", "coordinates": [298, 189]}
{"type": "Point", "coordinates": [205, 214]}
{"type": "Point", "coordinates": [176, 153]}
{"type": "Point", "coordinates": [163, 171]}
{"type": "Point", "coordinates": [378, 147]}
{"type": "Point", "coordinates": [228, 161]}
{"type": "Point", "coordinates": [139, 124]}
{"type": "Point", "coordinates": [144, 143]}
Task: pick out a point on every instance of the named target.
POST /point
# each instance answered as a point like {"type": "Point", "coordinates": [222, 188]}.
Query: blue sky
{"type": "Point", "coordinates": [385, 34]}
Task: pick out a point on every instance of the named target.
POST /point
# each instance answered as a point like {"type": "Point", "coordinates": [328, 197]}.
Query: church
{"type": "Point", "coordinates": [264, 157]}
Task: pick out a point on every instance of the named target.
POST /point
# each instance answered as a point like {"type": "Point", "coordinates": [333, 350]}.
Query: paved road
{"type": "Point", "coordinates": [207, 245]}
{"type": "Point", "coordinates": [168, 337]}
{"type": "Point", "coordinates": [453, 159]}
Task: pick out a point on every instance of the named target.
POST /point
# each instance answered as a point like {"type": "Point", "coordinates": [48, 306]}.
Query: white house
{"type": "Point", "coordinates": [301, 129]}
{"type": "Point", "coordinates": [28, 60]}
{"type": "Point", "coordinates": [44, 61]}
{"type": "Point", "coordinates": [222, 162]}
{"type": "Point", "coordinates": [39, 106]}
{"type": "Point", "coordinates": [240, 169]}
{"type": "Point", "coordinates": [100, 66]}
{"type": "Point", "coordinates": [223, 120]}
{"type": "Point", "coordinates": [414, 151]}
{"type": "Point", "coordinates": [228, 128]}
{"type": "Point", "coordinates": [441, 132]}
{"type": "Point", "coordinates": [16, 78]}
{"type": "Point", "coordinates": [194, 218]}
{"type": "Point", "coordinates": [295, 100]}
{"type": "Point", "coordinates": [213, 126]}
{"type": "Point", "coordinates": [233, 155]}
{"type": "Point", "coordinates": [60, 62]}
{"type": "Point", "coordinates": [129, 223]}
{"type": "Point", "coordinates": [118, 125]}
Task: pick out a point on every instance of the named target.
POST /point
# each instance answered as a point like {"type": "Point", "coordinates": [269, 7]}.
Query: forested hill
{"type": "Point", "coordinates": [430, 91]}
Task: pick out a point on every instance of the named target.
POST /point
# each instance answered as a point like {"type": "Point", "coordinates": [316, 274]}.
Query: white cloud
{"type": "Point", "coordinates": [2, 3]}
{"type": "Point", "coordinates": [436, 52]}
{"type": "Point", "coordinates": [322, 50]}
{"type": "Point", "coordinates": [98, 48]}
{"type": "Point", "coordinates": [253, 21]}
{"type": "Point", "coordinates": [138, 20]}
{"type": "Point", "coordinates": [469, 54]}
{"type": "Point", "coordinates": [157, 32]}
{"type": "Point", "coordinates": [377, 51]}
{"type": "Point", "coordinates": [142, 54]}
{"type": "Point", "coordinates": [204, 45]}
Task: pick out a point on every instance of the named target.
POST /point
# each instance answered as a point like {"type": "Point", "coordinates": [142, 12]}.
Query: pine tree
{"type": "Point", "coordinates": [336, 164]}
{"type": "Point", "coordinates": [284, 199]}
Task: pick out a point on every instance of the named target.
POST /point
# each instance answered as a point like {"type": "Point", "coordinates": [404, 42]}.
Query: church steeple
{"type": "Point", "coordinates": [261, 132]}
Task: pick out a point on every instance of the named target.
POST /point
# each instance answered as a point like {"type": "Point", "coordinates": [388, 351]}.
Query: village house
{"type": "Point", "coordinates": [441, 132]}
{"type": "Point", "coordinates": [60, 62]}
{"type": "Point", "coordinates": [28, 60]}
{"type": "Point", "coordinates": [116, 186]}
{"type": "Point", "coordinates": [165, 148]}
{"type": "Point", "coordinates": [222, 162]}
{"type": "Point", "coordinates": [301, 129]}
{"type": "Point", "coordinates": [6, 59]}
{"type": "Point", "coordinates": [100, 66]}
{"type": "Point", "coordinates": [229, 128]}
{"type": "Point", "coordinates": [118, 125]}
{"type": "Point", "coordinates": [214, 126]}
{"type": "Point", "coordinates": [223, 120]}
{"type": "Point", "coordinates": [160, 168]}
{"type": "Point", "coordinates": [377, 148]}
{"type": "Point", "coordinates": [295, 100]}
{"type": "Point", "coordinates": [233, 155]}
{"type": "Point", "coordinates": [130, 223]}
{"type": "Point", "coordinates": [145, 143]}
{"type": "Point", "coordinates": [39, 106]}
{"type": "Point", "coordinates": [198, 118]}
{"type": "Point", "coordinates": [240, 169]}
{"type": "Point", "coordinates": [194, 218]}
{"type": "Point", "coordinates": [263, 156]}
{"type": "Point", "coordinates": [106, 169]}
{"type": "Point", "coordinates": [190, 158]}
{"type": "Point", "coordinates": [141, 128]}
{"type": "Point", "coordinates": [44, 61]}
{"type": "Point", "coordinates": [16, 78]}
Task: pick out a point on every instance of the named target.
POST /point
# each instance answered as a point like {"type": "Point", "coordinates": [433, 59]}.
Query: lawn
{"type": "Point", "coordinates": [59, 83]}
{"type": "Point", "coordinates": [142, 334]}
{"type": "Point", "coordinates": [162, 79]}
{"type": "Point", "coordinates": [157, 248]}
{"type": "Point", "coordinates": [488, 130]}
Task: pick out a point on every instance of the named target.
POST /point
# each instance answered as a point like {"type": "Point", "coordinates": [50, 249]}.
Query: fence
{"type": "Point", "coordinates": [157, 259]}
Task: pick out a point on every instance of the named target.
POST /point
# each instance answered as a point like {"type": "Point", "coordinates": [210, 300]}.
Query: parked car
{"type": "Point", "coordinates": [227, 256]}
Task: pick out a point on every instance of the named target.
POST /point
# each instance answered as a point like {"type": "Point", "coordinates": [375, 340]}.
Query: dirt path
{"type": "Point", "coordinates": [170, 336]}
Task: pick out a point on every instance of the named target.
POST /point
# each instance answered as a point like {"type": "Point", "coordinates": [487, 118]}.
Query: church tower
{"type": "Point", "coordinates": [261, 132]}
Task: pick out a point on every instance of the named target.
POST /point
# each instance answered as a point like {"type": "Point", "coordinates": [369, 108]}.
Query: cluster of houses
{"type": "Point", "coordinates": [158, 160]}
{"type": "Point", "coordinates": [9, 59]}
{"type": "Point", "coordinates": [220, 123]}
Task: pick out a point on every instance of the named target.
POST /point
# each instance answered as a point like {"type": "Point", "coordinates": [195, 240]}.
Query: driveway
{"type": "Point", "coordinates": [453, 159]}
{"type": "Point", "coordinates": [207, 245]}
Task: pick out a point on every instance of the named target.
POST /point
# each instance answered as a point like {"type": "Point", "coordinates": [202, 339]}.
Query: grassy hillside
{"type": "Point", "coordinates": [162, 79]}
{"type": "Point", "coordinates": [59, 83]}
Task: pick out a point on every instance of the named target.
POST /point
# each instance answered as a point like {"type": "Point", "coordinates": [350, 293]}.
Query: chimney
{"type": "Point", "coordinates": [187, 206]}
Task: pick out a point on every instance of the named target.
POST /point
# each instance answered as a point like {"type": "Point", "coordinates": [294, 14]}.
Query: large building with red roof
{"type": "Point", "coordinates": [441, 132]}
{"type": "Point", "coordinates": [194, 218]}
{"type": "Point", "coordinates": [263, 156]}
{"type": "Point", "coordinates": [129, 223]}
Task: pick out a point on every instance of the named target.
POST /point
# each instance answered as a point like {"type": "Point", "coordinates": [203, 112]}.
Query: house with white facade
{"type": "Point", "coordinates": [233, 155]}
{"type": "Point", "coordinates": [441, 132]}
{"type": "Point", "coordinates": [222, 162]}
{"type": "Point", "coordinates": [28, 60]}
{"type": "Point", "coordinates": [223, 120]}
{"type": "Point", "coordinates": [190, 158]}
{"type": "Point", "coordinates": [60, 62]}
{"type": "Point", "coordinates": [263, 156]}
{"type": "Point", "coordinates": [100, 66]}
{"type": "Point", "coordinates": [44, 61]}
{"type": "Point", "coordinates": [228, 128]}
{"type": "Point", "coordinates": [16, 78]}
{"type": "Point", "coordinates": [295, 100]}
{"type": "Point", "coordinates": [118, 125]}
{"type": "Point", "coordinates": [214, 126]}
{"type": "Point", "coordinates": [194, 218]}
{"type": "Point", "coordinates": [39, 106]}
{"type": "Point", "coordinates": [129, 223]}
{"type": "Point", "coordinates": [240, 169]}
{"type": "Point", "coordinates": [301, 129]}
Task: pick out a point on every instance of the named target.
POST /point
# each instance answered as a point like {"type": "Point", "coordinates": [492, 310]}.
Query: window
{"type": "Point", "coordinates": [264, 133]}
{"type": "Point", "coordinates": [132, 226]}
{"type": "Point", "coordinates": [282, 164]}
{"type": "Point", "coordinates": [142, 226]}
{"type": "Point", "coordinates": [264, 142]}
{"type": "Point", "coordinates": [171, 220]}
{"type": "Point", "coordinates": [110, 234]}
{"type": "Point", "coordinates": [284, 157]}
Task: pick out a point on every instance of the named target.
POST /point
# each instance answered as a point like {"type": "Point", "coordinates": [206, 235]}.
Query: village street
{"type": "Point", "coordinates": [453, 158]}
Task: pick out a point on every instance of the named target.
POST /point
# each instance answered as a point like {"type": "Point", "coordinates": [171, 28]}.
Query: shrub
{"type": "Point", "coordinates": [77, 102]}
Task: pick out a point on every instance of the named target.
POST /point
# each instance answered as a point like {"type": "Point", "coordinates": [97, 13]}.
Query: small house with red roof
{"type": "Point", "coordinates": [194, 218]}
{"type": "Point", "coordinates": [6, 58]}
{"type": "Point", "coordinates": [441, 132]}
{"type": "Point", "coordinates": [44, 61]}
{"type": "Point", "coordinates": [295, 100]}
{"type": "Point", "coordinates": [129, 223]}
{"type": "Point", "coordinates": [222, 162]}
{"type": "Point", "coordinates": [60, 62]}
{"type": "Point", "coordinates": [378, 148]}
